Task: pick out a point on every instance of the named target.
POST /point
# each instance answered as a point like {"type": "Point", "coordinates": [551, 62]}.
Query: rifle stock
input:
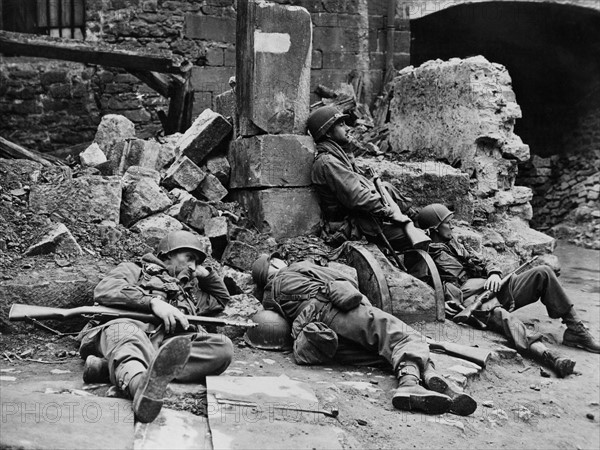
{"type": "Point", "coordinates": [474, 354]}
{"type": "Point", "coordinates": [417, 237]}
{"type": "Point", "coordinates": [20, 312]}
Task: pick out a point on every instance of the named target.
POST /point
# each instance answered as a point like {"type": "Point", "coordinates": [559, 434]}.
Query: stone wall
{"type": "Point", "coordinates": [349, 45]}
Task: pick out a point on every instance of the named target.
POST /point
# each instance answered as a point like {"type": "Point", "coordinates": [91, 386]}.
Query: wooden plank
{"type": "Point", "coordinates": [160, 83]}
{"type": "Point", "coordinates": [12, 150]}
{"type": "Point", "coordinates": [176, 107]}
{"type": "Point", "coordinates": [93, 53]}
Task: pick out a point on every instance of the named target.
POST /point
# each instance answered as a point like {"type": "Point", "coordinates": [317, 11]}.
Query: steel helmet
{"type": "Point", "coordinates": [432, 216]}
{"type": "Point", "coordinates": [178, 240]}
{"type": "Point", "coordinates": [272, 333]}
{"type": "Point", "coordinates": [260, 268]}
{"type": "Point", "coordinates": [322, 119]}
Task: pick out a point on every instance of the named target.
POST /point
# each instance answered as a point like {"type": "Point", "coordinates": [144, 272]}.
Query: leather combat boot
{"type": "Point", "coordinates": [409, 396]}
{"type": "Point", "coordinates": [148, 388]}
{"type": "Point", "coordinates": [462, 404]}
{"type": "Point", "coordinates": [577, 335]}
{"type": "Point", "coordinates": [562, 366]}
{"type": "Point", "coordinates": [95, 370]}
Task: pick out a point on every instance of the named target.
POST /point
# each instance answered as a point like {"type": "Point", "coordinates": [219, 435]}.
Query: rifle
{"type": "Point", "coordinates": [474, 354]}
{"type": "Point", "coordinates": [20, 312]}
{"type": "Point", "coordinates": [417, 238]}
{"type": "Point", "coordinates": [487, 295]}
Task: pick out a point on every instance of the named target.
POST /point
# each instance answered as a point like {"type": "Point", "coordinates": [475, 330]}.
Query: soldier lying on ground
{"type": "Point", "coordinates": [349, 200]}
{"type": "Point", "coordinates": [465, 275]}
{"type": "Point", "coordinates": [140, 358]}
{"type": "Point", "coordinates": [331, 319]}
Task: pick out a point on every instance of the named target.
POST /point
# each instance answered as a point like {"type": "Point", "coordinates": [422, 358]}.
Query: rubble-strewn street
{"type": "Point", "coordinates": [230, 224]}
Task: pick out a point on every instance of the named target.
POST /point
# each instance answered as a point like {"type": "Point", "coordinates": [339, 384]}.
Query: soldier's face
{"type": "Point", "coordinates": [445, 229]}
{"type": "Point", "coordinates": [339, 133]}
{"type": "Point", "coordinates": [183, 260]}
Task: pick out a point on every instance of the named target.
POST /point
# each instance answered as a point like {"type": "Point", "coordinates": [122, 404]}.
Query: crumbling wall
{"type": "Point", "coordinates": [462, 112]}
{"type": "Point", "coordinates": [349, 46]}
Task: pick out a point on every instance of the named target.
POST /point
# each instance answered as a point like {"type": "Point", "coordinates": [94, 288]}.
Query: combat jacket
{"type": "Point", "coordinates": [456, 264]}
{"type": "Point", "coordinates": [132, 286]}
{"type": "Point", "coordinates": [292, 288]}
{"type": "Point", "coordinates": [343, 191]}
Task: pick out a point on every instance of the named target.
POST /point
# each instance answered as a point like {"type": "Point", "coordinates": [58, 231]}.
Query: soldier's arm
{"type": "Point", "coordinates": [214, 295]}
{"type": "Point", "coordinates": [119, 289]}
{"type": "Point", "coordinates": [349, 190]}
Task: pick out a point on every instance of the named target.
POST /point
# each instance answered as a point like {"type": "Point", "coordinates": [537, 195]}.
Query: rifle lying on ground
{"type": "Point", "coordinates": [19, 312]}
{"type": "Point", "coordinates": [465, 314]}
{"type": "Point", "coordinates": [473, 354]}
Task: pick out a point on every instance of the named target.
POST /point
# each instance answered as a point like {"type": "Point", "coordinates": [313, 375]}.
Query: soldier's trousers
{"type": "Point", "coordinates": [368, 334]}
{"type": "Point", "coordinates": [129, 349]}
{"type": "Point", "coordinates": [539, 283]}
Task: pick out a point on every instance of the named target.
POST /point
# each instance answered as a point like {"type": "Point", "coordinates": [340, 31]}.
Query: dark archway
{"type": "Point", "coordinates": [551, 51]}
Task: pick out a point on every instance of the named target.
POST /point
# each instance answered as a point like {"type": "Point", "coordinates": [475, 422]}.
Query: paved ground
{"type": "Point", "coordinates": [518, 407]}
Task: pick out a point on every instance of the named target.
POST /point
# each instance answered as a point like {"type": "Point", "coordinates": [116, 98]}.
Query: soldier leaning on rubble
{"type": "Point", "coordinates": [465, 275]}
{"type": "Point", "coordinates": [331, 319]}
{"type": "Point", "coordinates": [141, 358]}
{"type": "Point", "coordinates": [349, 200]}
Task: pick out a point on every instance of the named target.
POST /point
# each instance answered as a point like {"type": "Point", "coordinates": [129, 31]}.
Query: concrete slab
{"type": "Point", "coordinates": [36, 420]}
{"type": "Point", "coordinates": [173, 429]}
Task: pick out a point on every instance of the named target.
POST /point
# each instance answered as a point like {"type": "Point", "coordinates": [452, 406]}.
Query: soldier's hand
{"type": "Point", "coordinates": [169, 314]}
{"type": "Point", "coordinates": [493, 283]}
{"type": "Point", "coordinates": [201, 272]}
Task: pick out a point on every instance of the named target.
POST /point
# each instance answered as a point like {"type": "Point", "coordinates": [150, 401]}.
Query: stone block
{"type": "Point", "coordinates": [211, 189]}
{"type": "Point", "coordinates": [468, 237]}
{"type": "Point", "coordinates": [217, 230]}
{"type": "Point", "coordinates": [220, 168]}
{"type": "Point", "coordinates": [92, 156]}
{"type": "Point", "coordinates": [428, 182]}
{"type": "Point", "coordinates": [206, 133]}
{"type": "Point", "coordinates": [183, 174]}
{"type": "Point", "coordinates": [241, 307]}
{"type": "Point", "coordinates": [192, 212]}
{"type": "Point", "coordinates": [156, 227]}
{"type": "Point", "coordinates": [524, 211]}
{"type": "Point", "coordinates": [282, 212]}
{"type": "Point", "coordinates": [271, 161]}
{"type": "Point", "coordinates": [492, 238]}
{"type": "Point", "coordinates": [142, 199]}
{"type": "Point", "coordinates": [515, 196]}
{"type": "Point", "coordinates": [525, 241]}
{"type": "Point", "coordinates": [240, 255]}
{"type": "Point", "coordinates": [225, 104]}
{"type": "Point", "coordinates": [237, 282]}
{"type": "Point", "coordinates": [56, 239]}
{"type": "Point", "coordinates": [87, 199]}
{"type": "Point", "coordinates": [113, 128]}
{"type": "Point", "coordinates": [136, 173]}
{"type": "Point", "coordinates": [274, 52]}
{"type": "Point", "coordinates": [138, 152]}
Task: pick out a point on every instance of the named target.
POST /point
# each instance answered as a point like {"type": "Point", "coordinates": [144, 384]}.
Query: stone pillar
{"type": "Point", "coordinates": [271, 160]}
{"type": "Point", "coordinates": [274, 52]}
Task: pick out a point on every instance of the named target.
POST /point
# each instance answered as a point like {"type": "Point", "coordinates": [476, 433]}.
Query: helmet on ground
{"type": "Point", "coordinates": [260, 268]}
{"type": "Point", "coordinates": [180, 240]}
{"type": "Point", "coordinates": [322, 119]}
{"type": "Point", "coordinates": [432, 216]}
{"type": "Point", "coordinates": [272, 333]}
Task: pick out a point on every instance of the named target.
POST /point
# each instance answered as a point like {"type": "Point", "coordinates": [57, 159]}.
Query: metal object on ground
{"type": "Point", "coordinates": [334, 412]}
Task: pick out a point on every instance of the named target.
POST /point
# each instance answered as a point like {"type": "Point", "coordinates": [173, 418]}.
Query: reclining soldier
{"type": "Point", "coordinates": [332, 320]}
{"type": "Point", "coordinates": [350, 204]}
{"type": "Point", "coordinates": [141, 358]}
{"type": "Point", "coordinates": [466, 275]}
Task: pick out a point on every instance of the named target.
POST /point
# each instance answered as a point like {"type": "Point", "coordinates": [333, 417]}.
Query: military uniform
{"type": "Point", "coordinates": [366, 334]}
{"type": "Point", "coordinates": [129, 345]}
{"type": "Point", "coordinates": [349, 199]}
{"type": "Point", "coordinates": [464, 275]}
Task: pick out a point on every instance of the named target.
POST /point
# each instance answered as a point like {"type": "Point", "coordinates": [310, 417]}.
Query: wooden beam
{"type": "Point", "coordinates": [12, 150]}
{"type": "Point", "coordinates": [160, 83]}
{"type": "Point", "coordinates": [176, 115]}
{"type": "Point", "coordinates": [143, 59]}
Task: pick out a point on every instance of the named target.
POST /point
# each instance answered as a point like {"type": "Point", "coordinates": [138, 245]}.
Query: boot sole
{"type": "Point", "coordinates": [463, 405]}
{"type": "Point", "coordinates": [166, 365]}
{"type": "Point", "coordinates": [436, 383]}
{"type": "Point", "coordinates": [433, 403]}
{"type": "Point", "coordinates": [94, 372]}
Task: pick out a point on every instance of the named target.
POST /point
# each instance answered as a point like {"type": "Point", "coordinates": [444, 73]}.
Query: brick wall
{"type": "Point", "coordinates": [349, 40]}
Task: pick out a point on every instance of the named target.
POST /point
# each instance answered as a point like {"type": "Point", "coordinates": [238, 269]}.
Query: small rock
{"type": "Point", "coordinates": [535, 387]}
{"type": "Point", "coordinates": [544, 373]}
{"type": "Point", "coordinates": [26, 353]}
{"type": "Point", "coordinates": [488, 403]}
{"type": "Point", "coordinates": [92, 156]}
{"type": "Point", "coordinates": [18, 192]}
{"type": "Point", "coordinates": [590, 416]}
{"type": "Point", "coordinates": [59, 371]}
{"type": "Point", "coordinates": [361, 422]}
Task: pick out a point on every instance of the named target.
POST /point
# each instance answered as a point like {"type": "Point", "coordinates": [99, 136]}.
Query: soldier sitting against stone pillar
{"type": "Point", "coordinates": [350, 203]}
{"type": "Point", "coordinates": [332, 320]}
{"type": "Point", "coordinates": [141, 358]}
{"type": "Point", "coordinates": [466, 275]}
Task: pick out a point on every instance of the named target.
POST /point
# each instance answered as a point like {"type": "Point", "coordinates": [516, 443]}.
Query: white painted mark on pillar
{"type": "Point", "coordinates": [271, 42]}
